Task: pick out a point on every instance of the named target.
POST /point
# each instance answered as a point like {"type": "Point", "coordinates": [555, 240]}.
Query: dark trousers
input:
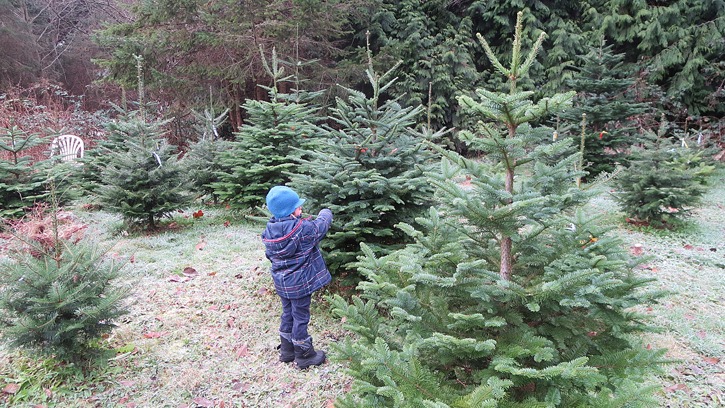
{"type": "Point", "coordinates": [295, 317]}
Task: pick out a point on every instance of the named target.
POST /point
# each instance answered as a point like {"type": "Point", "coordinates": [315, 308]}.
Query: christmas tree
{"type": "Point", "coordinates": [369, 171]}
{"type": "Point", "coordinates": [663, 182]}
{"type": "Point", "coordinates": [144, 181]}
{"type": "Point", "coordinates": [509, 296]}
{"type": "Point", "coordinates": [22, 180]}
{"type": "Point", "coordinates": [202, 162]}
{"type": "Point", "coordinates": [605, 94]}
{"type": "Point", "coordinates": [275, 133]}
{"type": "Point", "coordinates": [59, 294]}
{"type": "Point", "coordinates": [142, 178]}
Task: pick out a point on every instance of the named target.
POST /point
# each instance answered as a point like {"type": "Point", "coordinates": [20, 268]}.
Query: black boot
{"type": "Point", "coordinates": [286, 349]}
{"type": "Point", "coordinates": [305, 354]}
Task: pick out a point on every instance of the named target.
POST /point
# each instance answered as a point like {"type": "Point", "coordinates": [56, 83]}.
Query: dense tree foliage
{"type": "Point", "coordinates": [60, 293]}
{"type": "Point", "coordinates": [369, 170]}
{"type": "Point", "coordinates": [676, 44]}
{"type": "Point", "coordinates": [22, 179]}
{"type": "Point", "coordinates": [194, 46]}
{"type": "Point", "coordinates": [497, 303]}
{"type": "Point", "coordinates": [277, 133]}
{"type": "Point", "coordinates": [665, 180]}
{"type": "Point", "coordinates": [607, 104]}
{"type": "Point", "coordinates": [143, 180]}
{"type": "Point", "coordinates": [203, 162]}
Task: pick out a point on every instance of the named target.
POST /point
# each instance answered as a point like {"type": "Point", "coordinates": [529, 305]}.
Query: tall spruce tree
{"type": "Point", "coordinates": [275, 133]}
{"type": "Point", "coordinates": [500, 302]}
{"type": "Point", "coordinates": [605, 94]}
{"type": "Point", "coordinates": [369, 171]}
{"type": "Point", "coordinates": [22, 181]}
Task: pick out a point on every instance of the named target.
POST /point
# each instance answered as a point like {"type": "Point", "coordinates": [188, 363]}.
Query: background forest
{"type": "Point", "coordinates": [199, 53]}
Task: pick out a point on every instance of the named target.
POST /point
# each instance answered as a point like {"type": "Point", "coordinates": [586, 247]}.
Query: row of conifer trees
{"type": "Point", "coordinates": [481, 280]}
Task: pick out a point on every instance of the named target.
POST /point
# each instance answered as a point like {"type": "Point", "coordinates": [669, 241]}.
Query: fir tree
{"type": "Point", "coordinates": [142, 178]}
{"type": "Point", "coordinates": [369, 171]}
{"type": "Point", "coordinates": [664, 181]}
{"type": "Point", "coordinates": [604, 94]}
{"type": "Point", "coordinates": [203, 161]}
{"type": "Point", "coordinates": [508, 297]}
{"type": "Point", "coordinates": [57, 296]}
{"type": "Point", "coordinates": [275, 133]}
{"type": "Point", "coordinates": [22, 180]}
{"type": "Point", "coordinates": [144, 181]}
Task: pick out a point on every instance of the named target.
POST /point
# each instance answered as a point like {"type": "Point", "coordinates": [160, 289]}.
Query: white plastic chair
{"type": "Point", "coordinates": [67, 147]}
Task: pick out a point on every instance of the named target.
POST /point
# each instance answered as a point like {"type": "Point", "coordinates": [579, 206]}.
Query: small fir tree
{"type": "Point", "coordinates": [142, 178]}
{"type": "Point", "coordinates": [59, 293]}
{"type": "Point", "coordinates": [508, 297]}
{"type": "Point", "coordinates": [664, 181]}
{"type": "Point", "coordinates": [604, 95]}
{"type": "Point", "coordinates": [369, 171]}
{"type": "Point", "coordinates": [144, 181]}
{"type": "Point", "coordinates": [203, 160]}
{"type": "Point", "coordinates": [275, 133]}
{"type": "Point", "coordinates": [22, 179]}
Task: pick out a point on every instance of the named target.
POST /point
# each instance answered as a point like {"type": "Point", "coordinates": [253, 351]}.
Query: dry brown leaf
{"type": "Point", "coordinates": [177, 278]}
{"type": "Point", "coordinates": [155, 335]}
{"type": "Point", "coordinates": [242, 351]}
{"type": "Point", "coordinates": [190, 272]}
{"type": "Point", "coordinates": [711, 360]}
{"type": "Point", "coordinates": [11, 388]}
{"type": "Point", "coordinates": [203, 402]}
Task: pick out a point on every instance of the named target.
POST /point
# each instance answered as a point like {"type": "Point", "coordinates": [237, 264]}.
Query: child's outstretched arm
{"type": "Point", "coordinates": [322, 224]}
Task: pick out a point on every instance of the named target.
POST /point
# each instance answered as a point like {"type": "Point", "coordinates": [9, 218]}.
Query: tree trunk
{"type": "Point", "coordinates": [507, 262]}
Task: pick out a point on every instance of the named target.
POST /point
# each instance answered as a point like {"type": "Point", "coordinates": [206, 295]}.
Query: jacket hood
{"type": "Point", "coordinates": [280, 235]}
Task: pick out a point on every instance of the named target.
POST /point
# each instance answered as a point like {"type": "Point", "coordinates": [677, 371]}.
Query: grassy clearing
{"type": "Point", "coordinates": [689, 264]}
{"type": "Point", "coordinates": [203, 325]}
{"type": "Point", "coordinates": [204, 337]}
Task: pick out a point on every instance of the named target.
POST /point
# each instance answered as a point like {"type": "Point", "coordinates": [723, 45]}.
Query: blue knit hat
{"type": "Point", "coordinates": [283, 201]}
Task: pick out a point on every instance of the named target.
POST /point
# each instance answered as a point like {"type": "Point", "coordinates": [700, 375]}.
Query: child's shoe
{"type": "Point", "coordinates": [305, 354]}
{"type": "Point", "coordinates": [286, 349]}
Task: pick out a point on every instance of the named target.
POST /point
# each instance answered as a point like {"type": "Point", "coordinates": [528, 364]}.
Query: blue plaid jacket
{"type": "Point", "coordinates": [291, 245]}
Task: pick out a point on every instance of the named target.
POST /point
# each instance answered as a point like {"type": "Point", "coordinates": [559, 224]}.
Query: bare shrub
{"type": "Point", "coordinates": [35, 233]}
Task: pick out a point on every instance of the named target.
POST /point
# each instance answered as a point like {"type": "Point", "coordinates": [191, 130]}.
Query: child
{"type": "Point", "coordinates": [291, 244]}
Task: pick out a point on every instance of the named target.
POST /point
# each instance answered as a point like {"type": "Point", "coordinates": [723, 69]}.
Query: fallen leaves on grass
{"type": "Point", "coordinates": [711, 360]}
{"type": "Point", "coordinates": [242, 351]}
{"type": "Point", "coordinates": [203, 402]}
{"type": "Point", "coordinates": [11, 388]}
{"type": "Point", "coordinates": [187, 274]}
{"type": "Point", "coordinates": [677, 387]}
{"type": "Point", "coordinates": [155, 335]}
